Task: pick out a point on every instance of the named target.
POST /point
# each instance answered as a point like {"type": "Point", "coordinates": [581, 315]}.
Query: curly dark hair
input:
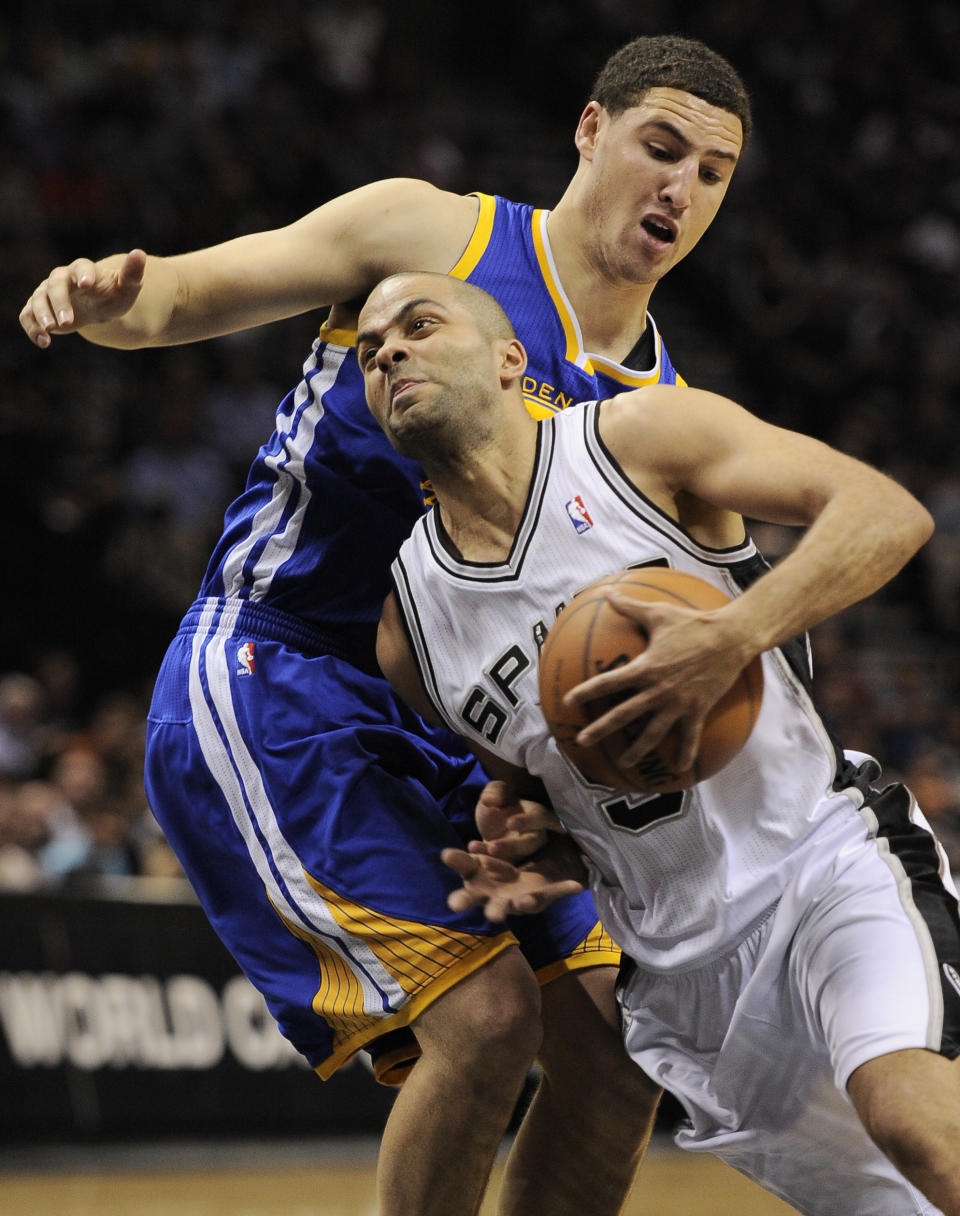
{"type": "Point", "coordinates": [671, 62]}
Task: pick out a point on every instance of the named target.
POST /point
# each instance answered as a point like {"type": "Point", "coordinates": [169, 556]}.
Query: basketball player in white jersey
{"type": "Point", "coordinates": [792, 932]}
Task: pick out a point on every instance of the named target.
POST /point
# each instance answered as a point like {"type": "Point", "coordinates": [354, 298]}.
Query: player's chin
{"type": "Point", "coordinates": [417, 434]}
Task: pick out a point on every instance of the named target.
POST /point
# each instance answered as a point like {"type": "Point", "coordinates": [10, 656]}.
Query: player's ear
{"type": "Point", "coordinates": [513, 361]}
{"type": "Point", "coordinates": [588, 128]}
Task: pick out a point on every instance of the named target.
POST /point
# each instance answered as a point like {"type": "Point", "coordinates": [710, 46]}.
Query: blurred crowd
{"type": "Point", "coordinates": [826, 297]}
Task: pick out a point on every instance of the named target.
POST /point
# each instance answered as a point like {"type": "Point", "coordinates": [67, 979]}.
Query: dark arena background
{"type": "Point", "coordinates": [136, 1066]}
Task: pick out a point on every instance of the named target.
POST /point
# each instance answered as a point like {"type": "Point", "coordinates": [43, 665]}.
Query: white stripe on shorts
{"type": "Point", "coordinates": [240, 781]}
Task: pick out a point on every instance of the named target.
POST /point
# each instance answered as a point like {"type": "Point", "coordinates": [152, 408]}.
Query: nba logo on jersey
{"type": "Point", "coordinates": [245, 659]}
{"type": "Point", "coordinates": [579, 515]}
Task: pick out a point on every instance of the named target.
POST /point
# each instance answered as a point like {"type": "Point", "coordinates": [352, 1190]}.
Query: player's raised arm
{"type": "Point", "coordinates": [336, 252]}
{"type": "Point", "coordinates": [706, 462]}
{"type": "Point", "coordinates": [710, 458]}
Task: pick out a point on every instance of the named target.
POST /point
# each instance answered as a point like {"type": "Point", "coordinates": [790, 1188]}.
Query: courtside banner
{"type": "Point", "coordinates": [123, 1016]}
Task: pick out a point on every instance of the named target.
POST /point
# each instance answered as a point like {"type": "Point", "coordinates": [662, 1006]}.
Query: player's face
{"type": "Point", "coordinates": [427, 367]}
{"type": "Point", "coordinates": [657, 175]}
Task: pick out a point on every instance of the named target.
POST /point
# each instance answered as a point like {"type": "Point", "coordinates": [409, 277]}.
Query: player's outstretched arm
{"type": "Point", "coordinates": [333, 254]}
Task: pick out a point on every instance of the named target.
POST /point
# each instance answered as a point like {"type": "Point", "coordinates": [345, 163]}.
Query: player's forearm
{"type": "Point", "coordinates": [206, 294]}
{"type": "Point", "coordinates": [862, 537]}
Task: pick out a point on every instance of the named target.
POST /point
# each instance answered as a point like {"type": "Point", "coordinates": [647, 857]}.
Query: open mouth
{"type": "Point", "coordinates": [659, 230]}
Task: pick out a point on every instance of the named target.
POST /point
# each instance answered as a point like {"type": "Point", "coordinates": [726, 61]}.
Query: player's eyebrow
{"type": "Point", "coordinates": [372, 335]}
{"type": "Point", "coordinates": [669, 129]}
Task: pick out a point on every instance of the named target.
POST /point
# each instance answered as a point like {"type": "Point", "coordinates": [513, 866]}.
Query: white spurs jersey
{"type": "Point", "coordinates": [678, 878]}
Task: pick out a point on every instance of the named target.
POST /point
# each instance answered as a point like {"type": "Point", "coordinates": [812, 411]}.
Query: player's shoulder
{"type": "Point", "coordinates": [398, 190]}
{"type": "Point", "coordinates": [655, 420]}
{"type": "Point", "coordinates": [625, 409]}
{"type": "Point", "coordinates": [408, 221]}
{"type": "Point", "coordinates": [668, 402]}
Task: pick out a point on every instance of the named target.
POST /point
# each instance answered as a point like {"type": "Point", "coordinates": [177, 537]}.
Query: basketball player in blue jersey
{"type": "Point", "coordinates": [792, 931]}
{"type": "Point", "coordinates": [309, 806]}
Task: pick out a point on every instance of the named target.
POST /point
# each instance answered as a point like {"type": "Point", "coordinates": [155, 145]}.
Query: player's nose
{"type": "Point", "coordinates": [676, 189]}
{"type": "Point", "coordinates": [392, 352]}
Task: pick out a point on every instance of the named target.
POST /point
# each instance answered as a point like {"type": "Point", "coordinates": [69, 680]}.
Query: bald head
{"type": "Point", "coordinates": [492, 321]}
{"type": "Point", "coordinates": [440, 362]}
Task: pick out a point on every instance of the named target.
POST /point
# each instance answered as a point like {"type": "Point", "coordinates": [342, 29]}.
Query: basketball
{"type": "Point", "coordinates": [589, 636]}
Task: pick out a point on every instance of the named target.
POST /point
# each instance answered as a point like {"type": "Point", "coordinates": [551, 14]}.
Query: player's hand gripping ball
{"type": "Point", "coordinates": [589, 636]}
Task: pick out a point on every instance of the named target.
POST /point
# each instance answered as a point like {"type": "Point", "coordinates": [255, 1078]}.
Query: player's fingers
{"type": "Point", "coordinates": [655, 728]}
{"type": "Point", "coordinates": [498, 907]}
{"type": "Point", "coordinates": [495, 796]}
{"type": "Point", "coordinates": [496, 793]}
{"type": "Point", "coordinates": [631, 713]}
{"type": "Point", "coordinates": [464, 864]}
{"type": "Point", "coordinates": [497, 802]}
{"type": "Point", "coordinates": [641, 611]}
{"type": "Point", "coordinates": [50, 309]}
{"type": "Point", "coordinates": [534, 817]}
{"type": "Point", "coordinates": [462, 900]}
{"type": "Point", "coordinates": [132, 270]}
{"type": "Point", "coordinates": [36, 320]}
{"type": "Point", "coordinates": [517, 847]}
{"type": "Point", "coordinates": [607, 683]}
{"type": "Point", "coordinates": [64, 282]}
{"type": "Point", "coordinates": [538, 900]}
{"type": "Point", "coordinates": [689, 732]}
{"type": "Point", "coordinates": [479, 866]}
{"type": "Point", "coordinates": [38, 316]}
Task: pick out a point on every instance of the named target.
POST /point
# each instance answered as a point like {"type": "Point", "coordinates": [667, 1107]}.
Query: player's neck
{"type": "Point", "coordinates": [482, 497]}
{"type": "Point", "coordinates": [612, 313]}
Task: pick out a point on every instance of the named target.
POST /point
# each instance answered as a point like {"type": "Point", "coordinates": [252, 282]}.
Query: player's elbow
{"type": "Point", "coordinates": [918, 522]}
{"type": "Point", "coordinates": [912, 525]}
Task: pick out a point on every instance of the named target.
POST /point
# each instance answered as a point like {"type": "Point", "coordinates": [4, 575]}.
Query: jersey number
{"type": "Point", "coordinates": [638, 812]}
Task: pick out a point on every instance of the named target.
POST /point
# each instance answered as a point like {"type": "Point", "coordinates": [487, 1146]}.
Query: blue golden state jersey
{"type": "Point", "coordinates": [328, 502]}
{"type": "Point", "coordinates": [509, 256]}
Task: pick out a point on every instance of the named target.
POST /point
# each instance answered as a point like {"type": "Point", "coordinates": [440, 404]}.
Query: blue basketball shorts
{"type": "Point", "coordinates": [308, 807]}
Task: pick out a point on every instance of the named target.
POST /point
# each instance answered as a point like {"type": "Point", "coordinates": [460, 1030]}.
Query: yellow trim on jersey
{"type": "Point", "coordinates": [338, 337]}
{"type": "Point", "coordinates": [478, 242]}
{"type": "Point", "coordinates": [426, 961]}
{"type": "Point", "coordinates": [598, 949]}
{"type": "Point", "coordinates": [538, 409]}
{"type": "Point", "coordinates": [571, 328]}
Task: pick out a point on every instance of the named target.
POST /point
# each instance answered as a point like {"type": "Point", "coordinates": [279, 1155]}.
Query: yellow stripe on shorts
{"type": "Point", "coordinates": [597, 949]}
{"type": "Point", "coordinates": [426, 961]}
